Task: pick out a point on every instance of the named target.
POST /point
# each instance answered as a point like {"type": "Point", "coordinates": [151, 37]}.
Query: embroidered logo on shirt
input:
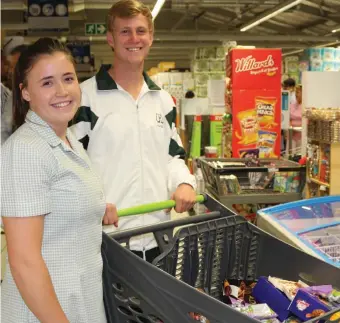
{"type": "Point", "coordinates": [159, 120]}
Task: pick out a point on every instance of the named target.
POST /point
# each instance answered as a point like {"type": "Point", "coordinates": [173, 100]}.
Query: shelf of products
{"type": "Point", "coordinates": [323, 152]}
{"type": "Point", "coordinates": [253, 181]}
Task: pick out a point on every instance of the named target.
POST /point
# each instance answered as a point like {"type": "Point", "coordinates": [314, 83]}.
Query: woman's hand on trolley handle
{"type": "Point", "coordinates": [111, 215]}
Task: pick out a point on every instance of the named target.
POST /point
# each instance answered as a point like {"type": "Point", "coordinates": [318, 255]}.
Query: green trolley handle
{"type": "Point", "coordinates": [152, 207]}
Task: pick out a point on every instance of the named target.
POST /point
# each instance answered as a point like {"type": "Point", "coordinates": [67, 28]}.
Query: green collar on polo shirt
{"type": "Point", "coordinates": [105, 82]}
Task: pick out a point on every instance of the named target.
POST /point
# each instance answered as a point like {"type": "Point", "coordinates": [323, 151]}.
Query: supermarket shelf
{"type": "Point", "coordinates": [321, 141]}
{"type": "Point", "coordinates": [259, 198]}
{"type": "Point", "coordinates": [316, 181]}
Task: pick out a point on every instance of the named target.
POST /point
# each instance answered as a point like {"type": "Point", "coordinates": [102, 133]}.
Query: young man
{"type": "Point", "coordinates": [127, 124]}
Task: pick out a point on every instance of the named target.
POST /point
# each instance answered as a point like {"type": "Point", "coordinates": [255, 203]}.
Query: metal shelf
{"type": "Point", "coordinates": [259, 198]}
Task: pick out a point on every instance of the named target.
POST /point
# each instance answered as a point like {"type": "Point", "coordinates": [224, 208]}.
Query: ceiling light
{"type": "Point", "coordinates": [156, 9]}
{"type": "Point", "coordinates": [335, 30]}
{"type": "Point", "coordinates": [270, 14]}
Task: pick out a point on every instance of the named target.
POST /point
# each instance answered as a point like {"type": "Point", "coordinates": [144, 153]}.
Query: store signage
{"type": "Point", "coordinates": [81, 51]}
{"type": "Point", "coordinates": [47, 15]}
{"type": "Point", "coordinates": [95, 29]}
{"type": "Point", "coordinates": [250, 64]}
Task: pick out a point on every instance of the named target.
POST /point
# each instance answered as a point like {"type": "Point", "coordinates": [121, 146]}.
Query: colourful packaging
{"type": "Point", "coordinates": [242, 101]}
{"type": "Point", "coordinates": [316, 65]}
{"type": "Point", "coordinates": [265, 292]}
{"type": "Point", "coordinates": [195, 149]}
{"type": "Point", "coordinates": [249, 153]}
{"type": "Point", "coordinates": [286, 182]}
{"type": "Point", "coordinates": [306, 306]}
{"type": "Point", "coordinates": [266, 144]}
{"type": "Point", "coordinates": [328, 54]}
{"type": "Point", "coordinates": [249, 127]}
{"type": "Point", "coordinates": [265, 109]}
{"type": "Point", "coordinates": [328, 66]}
{"type": "Point", "coordinates": [337, 54]}
{"type": "Point", "coordinates": [216, 125]}
{"type": "Point", "coordinates": [257, 68]}
{"type": "Point", "coordinates": [314, 53]}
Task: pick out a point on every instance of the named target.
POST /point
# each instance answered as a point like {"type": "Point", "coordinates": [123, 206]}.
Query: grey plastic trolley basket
{"type": "Point", "coordinates": [210, 248]}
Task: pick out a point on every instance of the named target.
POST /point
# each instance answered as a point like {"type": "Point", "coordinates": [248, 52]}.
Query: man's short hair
{"type": "Point", "coordinates": [128, 9]}
{"type": "Point", "coordinates": [289, 83]}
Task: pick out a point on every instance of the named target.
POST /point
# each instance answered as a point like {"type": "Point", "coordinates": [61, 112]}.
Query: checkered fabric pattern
{"type": "Point", "coordinates": [40, 175]}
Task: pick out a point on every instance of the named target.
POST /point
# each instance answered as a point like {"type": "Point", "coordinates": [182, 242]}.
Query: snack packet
{"type": "Point", "coordinates": [258, 311]}
{"type": "Point", "coordinates": [249, 153]}
{"type": "Point", "coordinates": [265, 108]}
{"type": "Point", "coordinates": [266, 143]}
{"type": "Point", "coordinates": [249, 127]}
{"type": "Point", "coordinates": [289, 288]}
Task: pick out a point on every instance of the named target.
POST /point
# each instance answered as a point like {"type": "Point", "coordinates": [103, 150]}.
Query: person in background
{"type": "Point", "coordinates": [52, 202]}
{"type": "Point", "coordinates": [6, 102]}
{"type": "Point", "coordinates": [13, 59]}
{"type": "Point", "coordinates": [127, 125]}
{"type": "Point", "coordinates": [189, 94]}
{"type": "Point", "coordinates": [289, 85]}
{"type": "Point", "coordinates": [296, 117]}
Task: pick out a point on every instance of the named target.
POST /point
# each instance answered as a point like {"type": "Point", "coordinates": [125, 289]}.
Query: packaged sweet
{"type": "Point", "coordinates": [286, 182]}
{"type": "Point", "coordinates": [334, 296]}
{"type": "Point", "coordinates": [266, 143]}
{"type": "Point", "coordinates": [335, 318]}
{"type": "Point", "coordinates": [292, 319]}
{"type": "Point", "coordinates": [289, 288]}
{"type": "Point", "coordinates": [323, 290]}
{"type": "Point", "coordinates": [265, 108]}
{"type": "Point", "coordinates": [249, 153]}
{"type": "Point", "coordinates": [258, 311]}
{"type": "Point", "coordinates": [249, 127]}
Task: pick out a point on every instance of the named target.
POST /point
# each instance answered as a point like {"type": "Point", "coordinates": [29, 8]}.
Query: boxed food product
{"type": "Point", "coordinates": [266, 292]}
{"type": "Point", "coordinates": [266, 144]}
{"type": "Point", "coordinates": [306, 306]}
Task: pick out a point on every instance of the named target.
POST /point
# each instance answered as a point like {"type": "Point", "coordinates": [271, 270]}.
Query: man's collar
{"type": "Point", "coordinates": [105, 82]}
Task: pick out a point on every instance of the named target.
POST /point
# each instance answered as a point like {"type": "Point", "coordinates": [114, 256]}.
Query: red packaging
{"type": "Point", "coordinates": [254, 68]}
{"type": "Point", "coordinates": [256, 122]}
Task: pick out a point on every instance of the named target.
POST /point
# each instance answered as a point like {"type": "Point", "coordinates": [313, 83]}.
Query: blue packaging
{"type": "Point", "coordinates": [328, 67]}
{"type": "Point", "coordinates": [266, 292]}
{"type": "Point", "coordinates": [306, 306]}
{"type": "Point", "coordinates": [328, 54]}
{"type": "Point", "coordinates": [314, 54]}
{"type": "Point", "coordinates": [316, 66]}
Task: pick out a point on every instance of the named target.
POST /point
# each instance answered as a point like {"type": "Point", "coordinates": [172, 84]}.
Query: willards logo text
{"type": "Point", "coordinates": [250, 64]}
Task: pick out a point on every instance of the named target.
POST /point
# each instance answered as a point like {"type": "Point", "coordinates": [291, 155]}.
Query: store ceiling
{"type": "Point", "coordinates": [183, 25]}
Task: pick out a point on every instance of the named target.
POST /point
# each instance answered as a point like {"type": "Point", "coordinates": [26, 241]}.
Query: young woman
{"type": "Point", "coordinates": [52, 201]}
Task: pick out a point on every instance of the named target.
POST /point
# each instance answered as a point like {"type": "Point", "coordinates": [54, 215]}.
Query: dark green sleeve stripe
{"type": "Point", "coordinates": [171, 117]}
{"type": "Point", "coordinates": [176, 150]}
{"type": "Point", "coordinates": [85, 141]}
{"type": "Point", "coordinates": [84, 114]}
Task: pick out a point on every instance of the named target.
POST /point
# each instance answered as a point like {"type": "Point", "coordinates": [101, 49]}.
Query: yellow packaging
{"type": "Point", "coordinates": [265, 108]}
{"type": "Point", "coordinates": [266, 144]}
{"type": "Point", "coordinates": [249, 127]}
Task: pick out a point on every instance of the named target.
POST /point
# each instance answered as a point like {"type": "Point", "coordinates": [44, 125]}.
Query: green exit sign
{"type": "Point", "coordinates": [95, 29]}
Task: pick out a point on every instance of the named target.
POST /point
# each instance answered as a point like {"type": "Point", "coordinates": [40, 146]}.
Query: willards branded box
{"type": "Point", "coordinates": [254, 69]}
{"type": "Point", "coordinates": [256, 101]}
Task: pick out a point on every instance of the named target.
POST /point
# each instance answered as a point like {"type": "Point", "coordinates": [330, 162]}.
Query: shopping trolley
{"type": "Point", "coordinates": [198, 252]}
